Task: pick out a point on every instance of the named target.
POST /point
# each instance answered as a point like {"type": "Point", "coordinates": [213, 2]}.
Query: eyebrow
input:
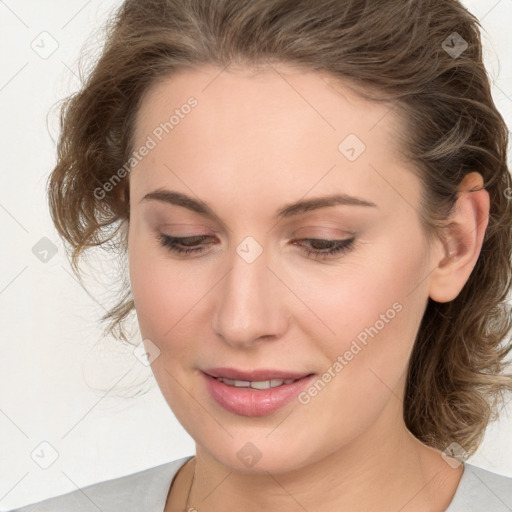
{"type": "Point", "coordinates": [289, 210]}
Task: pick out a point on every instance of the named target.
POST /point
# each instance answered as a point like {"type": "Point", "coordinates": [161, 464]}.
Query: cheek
{"type": "Point", "coordinates": [375, 315]}
{"type": "Point", "coordinates": [164, 300]}
{"type": "Point", "coordinates": [149, 292]}
{"type": "Point", "coordinates": [168, 295]}
{"type": "Point", "coordinates": [156, 287]}
{"type": "Point", "coordinates": [361, 291]}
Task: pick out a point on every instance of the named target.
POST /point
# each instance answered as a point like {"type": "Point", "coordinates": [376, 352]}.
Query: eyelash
{"type": "Point", "coordinates": [340, 247]}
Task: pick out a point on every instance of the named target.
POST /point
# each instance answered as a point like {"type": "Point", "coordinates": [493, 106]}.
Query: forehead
{"type": "Point", "coordinates": [272, 96]}
{"type": "Point", "coordinates": [276, 125]}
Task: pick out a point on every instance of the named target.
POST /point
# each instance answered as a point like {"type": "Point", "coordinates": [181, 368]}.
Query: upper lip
{"type": "Point", "coordinates": [254, 375]}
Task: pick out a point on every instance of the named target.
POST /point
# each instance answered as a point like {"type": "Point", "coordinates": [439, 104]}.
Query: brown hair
{"type": "Point", "coordinates": [397, 51]}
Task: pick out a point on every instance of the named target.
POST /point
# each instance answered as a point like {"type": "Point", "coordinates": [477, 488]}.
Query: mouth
{"type": "Point", "coordinates": [256, 384]}
{"type": "Point", "coordinates": [255, 392]}
{"type": "Point", "coordinates": [259, 375]}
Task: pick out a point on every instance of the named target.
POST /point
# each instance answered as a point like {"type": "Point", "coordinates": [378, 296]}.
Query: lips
{"type": "Point", "coordinates": [255, 392]}
{"type": "Point", "coordinates": [254, 375]}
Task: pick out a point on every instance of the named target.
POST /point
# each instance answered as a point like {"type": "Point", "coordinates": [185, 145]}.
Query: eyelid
{"type": "Point", "coordinates": [332, 232]}
{"type": "Point", "coordinates": [341, 246]}
{"type": "Point", "coordinates": [205, 230]}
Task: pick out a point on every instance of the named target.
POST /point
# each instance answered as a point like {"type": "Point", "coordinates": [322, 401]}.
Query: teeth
{"type": "Point", "coordinates": [266, 384]}
{"type": "Point", "coordinates": [262, 384]}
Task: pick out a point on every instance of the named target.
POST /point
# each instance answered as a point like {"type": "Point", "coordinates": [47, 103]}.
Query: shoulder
{"type": "Point", "coordinates": [481, 490]}
{"type": "Point", "coordinates": [145, 490]}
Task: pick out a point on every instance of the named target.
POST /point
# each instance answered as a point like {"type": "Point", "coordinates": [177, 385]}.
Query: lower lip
{"type": "Point", "coordinates": [254, 402]}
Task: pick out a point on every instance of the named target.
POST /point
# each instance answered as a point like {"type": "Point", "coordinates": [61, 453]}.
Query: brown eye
{"type": "Point", "coordinates": [183, 245]}
{"type": "Point", "coordinates": [322, 248]}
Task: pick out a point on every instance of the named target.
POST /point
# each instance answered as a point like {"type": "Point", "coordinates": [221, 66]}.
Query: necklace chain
{"type": "Point", "coordinates": [190, 488]}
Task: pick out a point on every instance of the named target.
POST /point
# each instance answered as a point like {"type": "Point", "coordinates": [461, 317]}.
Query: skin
{"type": "Point", "coordinates": [254, 143]}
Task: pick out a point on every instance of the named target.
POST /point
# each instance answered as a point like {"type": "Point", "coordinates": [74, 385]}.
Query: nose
{"type": "Point", "coordinates": [251, 304]}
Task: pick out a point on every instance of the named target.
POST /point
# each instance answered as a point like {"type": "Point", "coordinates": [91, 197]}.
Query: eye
{"type": "Point", "coordinates": [183, 245]}
{"type": "Point", "coordinates": [322, 248]}
{"type": "Point", "coordinates": [319, 247]}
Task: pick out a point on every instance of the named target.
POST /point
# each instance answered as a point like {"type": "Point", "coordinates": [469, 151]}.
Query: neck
{"type": "Point", "coordinates": [376, 471]}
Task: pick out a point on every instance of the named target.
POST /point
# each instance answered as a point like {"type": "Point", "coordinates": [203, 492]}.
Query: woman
{"type": "Point", "coordinates": [315, 204]}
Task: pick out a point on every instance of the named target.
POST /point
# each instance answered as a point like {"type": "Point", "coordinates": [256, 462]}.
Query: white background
{"type": "Point", "coordinates": [59, 381]}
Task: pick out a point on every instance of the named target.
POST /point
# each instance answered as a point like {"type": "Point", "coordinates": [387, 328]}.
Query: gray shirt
{"type": "Point", "coordinates": [479, 490]}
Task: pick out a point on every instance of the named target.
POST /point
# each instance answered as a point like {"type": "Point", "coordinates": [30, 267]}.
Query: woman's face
{"type": "Point", "coordinates": [254, 297]}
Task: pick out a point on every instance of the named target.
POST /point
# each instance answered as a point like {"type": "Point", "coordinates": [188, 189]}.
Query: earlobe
{"type": "Point", "coordinates": [462, 240]}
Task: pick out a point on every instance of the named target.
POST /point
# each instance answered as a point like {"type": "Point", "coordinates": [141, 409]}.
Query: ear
{"type": "Point", "coordinates": [462, 240]}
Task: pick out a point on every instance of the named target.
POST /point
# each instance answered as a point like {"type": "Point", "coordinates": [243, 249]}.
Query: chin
{"type": "Point", "coordinates": [258, 451]}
